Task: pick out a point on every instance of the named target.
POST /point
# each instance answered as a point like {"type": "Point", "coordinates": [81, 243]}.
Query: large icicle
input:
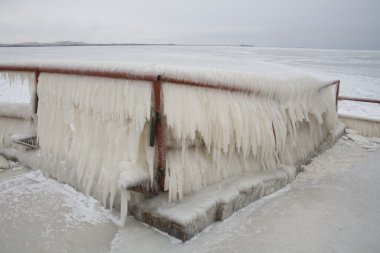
{"type": "Point", "coordinates": [93, 132]}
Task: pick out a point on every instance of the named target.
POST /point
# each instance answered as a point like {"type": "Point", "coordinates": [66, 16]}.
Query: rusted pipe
{"type": "Point", "coordinates": [217, 86]}
{"type": "Point", "coordinates": [335, 82]}
{"type": "Point", "coordinates": [18, 68]}
{"type": "Point", "coordinates": [37, 77]}
{"type": "Point", "coordinates": [366, 100]}
{"type": "Point", "coordinates": [128, 76]}
{"type": "Point", "coordinates": [81, 72]}
{"type": "Point", "coordinates": [337, 85]}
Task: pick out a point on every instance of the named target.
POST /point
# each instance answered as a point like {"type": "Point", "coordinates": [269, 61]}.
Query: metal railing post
{"type": "Point", "coordinates": [37, 77]}
{"type": "Point", "coordinates": [337, 86]}
{"type": "Point", "coordinates": [160, 133]}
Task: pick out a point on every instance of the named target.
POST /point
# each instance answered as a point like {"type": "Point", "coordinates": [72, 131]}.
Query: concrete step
{"type": "Point", "coordinates": [198, 210]}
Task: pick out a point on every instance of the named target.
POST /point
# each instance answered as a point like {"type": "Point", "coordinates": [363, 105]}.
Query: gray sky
{"type": "Point", "coordinates": [289, 23]}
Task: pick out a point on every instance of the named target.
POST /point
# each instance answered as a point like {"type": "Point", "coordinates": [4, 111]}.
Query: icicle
{"type": "Point", "coordinates": [87, 123]}
{"type": "Point", "coordinates": [238, 130]}
{"type": "Point", "coordinates": [125, 195]}
{"type": "Point", "coordinates": [150, 159]}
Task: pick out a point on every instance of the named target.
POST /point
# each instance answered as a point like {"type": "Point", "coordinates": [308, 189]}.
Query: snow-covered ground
{"type": "Point", "coordinates": [331, 207]}
{"type": "Point", "coordinates": [357, 69]}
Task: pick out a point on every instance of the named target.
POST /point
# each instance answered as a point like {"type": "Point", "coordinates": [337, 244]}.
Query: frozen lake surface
{"type": "Point", "coordinates": [331, 207]}
{"type": "Point", "coordinates": [359, 70]}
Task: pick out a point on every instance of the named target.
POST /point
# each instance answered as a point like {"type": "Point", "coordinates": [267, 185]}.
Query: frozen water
{"type": "Point", "coordinates": [357, 69]}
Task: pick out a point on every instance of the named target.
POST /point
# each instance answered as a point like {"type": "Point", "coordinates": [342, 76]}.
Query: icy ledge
{"type": "Point", "coordinates": [198, 210]}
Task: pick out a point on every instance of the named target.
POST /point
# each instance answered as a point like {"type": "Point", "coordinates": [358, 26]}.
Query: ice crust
{"type": "Point", "coordinates": [93, 132]}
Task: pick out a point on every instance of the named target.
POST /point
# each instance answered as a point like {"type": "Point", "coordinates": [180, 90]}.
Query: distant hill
{"type": "Point", "coordinates": [38, 44]}
{"type": "Point", "coordinates": [72, 43]}
{"type": "Point", "coordinates": [68, 43]}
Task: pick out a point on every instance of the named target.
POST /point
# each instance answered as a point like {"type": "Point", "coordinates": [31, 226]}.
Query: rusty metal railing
{"type": "Point", "coordinates": [157, 80]}
{"type": "Point", "coordinates": [346, 98]}
{"type": "Point", "coordinates": [355, 99]}
{"type": "Point", "coordinates": [337, 87]}
{"type": "Point", "coordinates": [365, 100]}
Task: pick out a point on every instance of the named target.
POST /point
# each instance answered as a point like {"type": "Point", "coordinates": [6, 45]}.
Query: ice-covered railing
{"type": "Point", "coordinates": [103, 128]}
{"type": "Point", "coordinates": [364, 125]}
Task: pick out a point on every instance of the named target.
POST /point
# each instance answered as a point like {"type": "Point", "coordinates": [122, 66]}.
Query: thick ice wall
{"type": "Point", "coordinates": [214, 134]}
{"type": "Point", "coordinates": [93, 130]}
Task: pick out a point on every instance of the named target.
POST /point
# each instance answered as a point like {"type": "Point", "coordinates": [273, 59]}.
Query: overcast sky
{"type": "Point", "coordinates": [285, 23]}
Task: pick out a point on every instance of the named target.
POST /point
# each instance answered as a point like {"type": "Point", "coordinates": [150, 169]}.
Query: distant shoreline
{"type": "Point", "coordinates": [85, 44]}
{"type": "Point", "coordinates": [76, 44]}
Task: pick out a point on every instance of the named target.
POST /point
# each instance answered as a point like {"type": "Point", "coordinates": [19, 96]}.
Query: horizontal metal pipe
{"type": "Point", "coordinates": [81, 72]}
{"type": "Point", "coordinates": [14, 117]}
{"type": "Point", "coordinates": [130, 76]}
{"type": "Point", "coordinates": [18, 68]}
{"type": "Point", "coordinates": [366, 100]}
{"type": "Point", "coordinates": [125, 75]}
{"type": "Point", "coordinates": [166, 79]}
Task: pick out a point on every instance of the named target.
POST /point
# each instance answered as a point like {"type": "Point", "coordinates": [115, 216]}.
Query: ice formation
{"type": "Point", "coordinates": [213, 135]}
{"type": "Point", "coordinates": [94, 132]}
{"type": "Point", "coordinates": [17, 117]}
